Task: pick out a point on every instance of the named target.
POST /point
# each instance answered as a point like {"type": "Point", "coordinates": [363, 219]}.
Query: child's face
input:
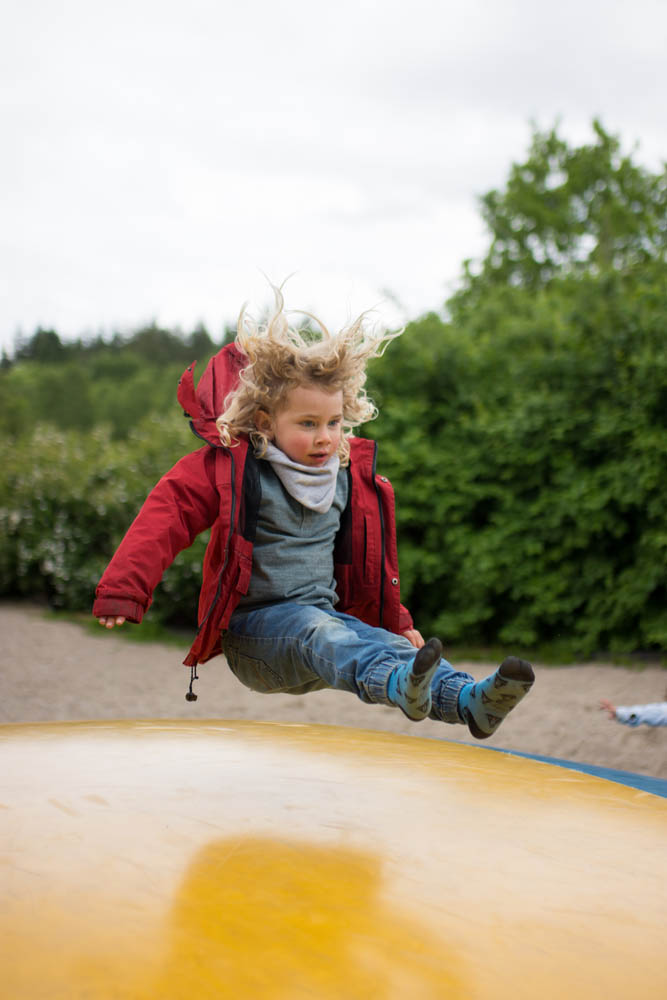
{"type": "Point", "coordinates": [308, 426]}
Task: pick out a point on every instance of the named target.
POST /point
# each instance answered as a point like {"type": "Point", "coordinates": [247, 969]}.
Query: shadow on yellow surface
{"type": "Point", "coordinates": [276, 919]}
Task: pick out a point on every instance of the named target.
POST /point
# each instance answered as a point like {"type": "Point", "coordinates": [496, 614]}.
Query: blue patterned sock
{"type": "Point", "coordinates": [409, 687]}
{"type": "Point", "coordinates": [485, 704]}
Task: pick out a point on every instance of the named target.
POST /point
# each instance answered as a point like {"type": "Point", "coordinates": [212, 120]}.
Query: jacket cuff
{"type": "Point", "coordinates": [105, 606]}
{"type": "Point", "coordinates": [405, 621]}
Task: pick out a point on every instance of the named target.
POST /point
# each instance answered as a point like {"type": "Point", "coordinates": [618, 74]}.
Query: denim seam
{"type": "Point", "coordinates": [377, 678]}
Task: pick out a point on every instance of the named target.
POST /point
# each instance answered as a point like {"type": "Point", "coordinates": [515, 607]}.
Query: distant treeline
{"type": "Point", "coordinates": [86, 383]}
{"type": "Point", "coordinates": [149, 343]}
{"type": "Point", "coordinates": [524, 429]}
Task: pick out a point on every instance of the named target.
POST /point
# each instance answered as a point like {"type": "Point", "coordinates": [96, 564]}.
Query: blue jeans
{"type": "Point", "coordinates": [296, 648]}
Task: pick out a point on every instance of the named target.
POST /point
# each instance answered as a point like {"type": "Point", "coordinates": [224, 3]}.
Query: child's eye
{"type": "Point", "coordinates": [335, 422]}
{"type": "Point", "coordinates": [307, 423]}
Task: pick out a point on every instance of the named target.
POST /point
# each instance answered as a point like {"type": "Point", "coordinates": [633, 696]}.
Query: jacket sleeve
{"type": "Point", "coordinates": [650, 715]}
{"type": "Point", "coordinates": [183, 504]}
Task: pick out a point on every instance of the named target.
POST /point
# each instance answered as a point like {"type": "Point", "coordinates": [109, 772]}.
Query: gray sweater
{"type": "Point", "coordinates": [293, 552]}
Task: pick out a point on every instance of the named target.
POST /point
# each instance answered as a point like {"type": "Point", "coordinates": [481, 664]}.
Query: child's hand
{"type": "Point", "coordinates": [414, 637]}
{"type": "Point", "coordinates": [606, 706]}
{"type": "Point", "coordinates": [110, 620]}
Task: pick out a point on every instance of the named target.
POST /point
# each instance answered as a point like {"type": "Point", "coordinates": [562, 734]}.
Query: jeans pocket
{"type": "Point", "coordinates": [251, 671]}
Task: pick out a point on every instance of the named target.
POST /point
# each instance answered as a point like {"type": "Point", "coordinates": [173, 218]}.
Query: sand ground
{"type": "Point", "coordinates": [57, 671]}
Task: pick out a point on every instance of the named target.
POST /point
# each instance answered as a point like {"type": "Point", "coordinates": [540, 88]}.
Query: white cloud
{"type": "Point", "coordinates": [157, 155]}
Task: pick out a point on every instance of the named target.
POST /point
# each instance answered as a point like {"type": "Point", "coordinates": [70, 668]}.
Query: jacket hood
{"type": "Point", "coordinates": [205, 403]}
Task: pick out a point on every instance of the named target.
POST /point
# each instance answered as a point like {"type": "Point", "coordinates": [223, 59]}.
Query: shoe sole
{"type": "Point", "coordinates": [514, 669]}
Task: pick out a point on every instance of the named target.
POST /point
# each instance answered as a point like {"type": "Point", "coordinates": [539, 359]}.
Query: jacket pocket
{"type": "Point", "coordinates": [371, 550]}
{"type": "Point", "coordinates": [245, 572]}
{"type": "Point", "coordinates": [239, 572]}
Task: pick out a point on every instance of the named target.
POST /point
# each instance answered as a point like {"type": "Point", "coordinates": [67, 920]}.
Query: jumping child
{"type": "Point", "coordinates": [300, 578]}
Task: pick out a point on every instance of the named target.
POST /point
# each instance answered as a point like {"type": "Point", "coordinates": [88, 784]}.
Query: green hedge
{"type": "Point", "coordinates": [531, 467]}
{"type": "Point", "coordinates": [66, 500]}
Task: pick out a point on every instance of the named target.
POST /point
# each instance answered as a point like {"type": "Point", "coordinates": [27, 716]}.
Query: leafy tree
{"type": "Point", "coordinates": [199, 343]}
{"type": "Point", "coordinates": [156, 344]}
{"type": "Point", "coordinates": [526, 437]}
{"type": "Point", "coordinates": [569, 211]}
{"type": "Point", "coordinates": [44, 346]}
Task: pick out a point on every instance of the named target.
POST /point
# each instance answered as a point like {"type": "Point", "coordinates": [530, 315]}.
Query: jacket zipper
{"type": "Point", "coordinates": [227, 544]}
{"type": "Point", "coordinates": [379, 500]}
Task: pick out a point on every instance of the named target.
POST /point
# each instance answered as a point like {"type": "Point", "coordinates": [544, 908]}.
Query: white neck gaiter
{"type": "Point", "coordinates": [314, 486]}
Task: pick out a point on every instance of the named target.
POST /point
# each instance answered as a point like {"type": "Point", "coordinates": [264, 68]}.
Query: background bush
{"type": "Point", "coordinates": [66, 500]}
{"type": "Point", "coordinates": [531, 469]}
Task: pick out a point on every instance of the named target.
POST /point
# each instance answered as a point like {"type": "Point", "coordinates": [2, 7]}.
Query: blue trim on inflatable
{"type": "Point", "coordinates": [656, 786]}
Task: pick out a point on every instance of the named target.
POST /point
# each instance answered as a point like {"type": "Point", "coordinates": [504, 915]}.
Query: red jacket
{"type": "Point", "coordinates": [218, 488]}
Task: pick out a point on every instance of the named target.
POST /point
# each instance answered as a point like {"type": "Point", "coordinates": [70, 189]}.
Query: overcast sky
{"type": "Point", "coordinates": [158, 156]}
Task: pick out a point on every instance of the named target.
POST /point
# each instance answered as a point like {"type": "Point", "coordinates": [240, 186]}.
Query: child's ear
{"type": "Point", "coordinates": [264, 423]}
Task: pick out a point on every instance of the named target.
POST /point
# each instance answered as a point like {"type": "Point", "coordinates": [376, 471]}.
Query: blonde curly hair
{"type": "Point", "coordinates": [282, 358]}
